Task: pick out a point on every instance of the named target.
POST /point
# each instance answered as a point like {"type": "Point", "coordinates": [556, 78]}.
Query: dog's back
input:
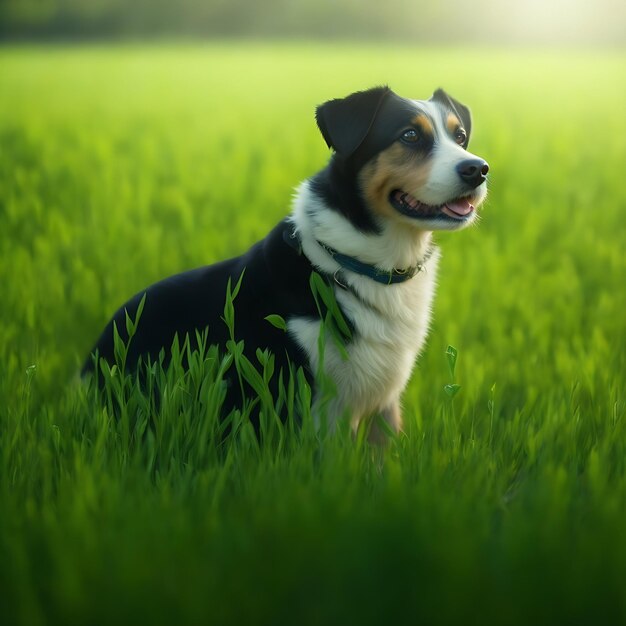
{"type": "Point", "coordinates": [275, 281]}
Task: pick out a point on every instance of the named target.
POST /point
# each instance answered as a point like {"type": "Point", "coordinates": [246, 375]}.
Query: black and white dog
{"type": "Point", "coordinates": [399, 171]}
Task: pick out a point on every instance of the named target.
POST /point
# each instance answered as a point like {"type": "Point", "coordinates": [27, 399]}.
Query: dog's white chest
{"type": "Point", "coordinates": [391, 324]}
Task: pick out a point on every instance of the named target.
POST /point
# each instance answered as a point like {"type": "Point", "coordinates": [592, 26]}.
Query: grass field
{"type": "Point", "coordinates": [505, 505]}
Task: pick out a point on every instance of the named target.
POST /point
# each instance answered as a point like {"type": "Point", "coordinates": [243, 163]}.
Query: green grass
{"type": "Point", "coordinates": [505, 505]}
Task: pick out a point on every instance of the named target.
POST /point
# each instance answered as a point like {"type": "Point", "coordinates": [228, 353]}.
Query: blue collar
{"type": "Point", "coordinates": [385, 277]}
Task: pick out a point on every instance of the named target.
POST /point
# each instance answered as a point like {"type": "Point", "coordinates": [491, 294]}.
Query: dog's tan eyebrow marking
{"type": "Point", "coordinates": [452, 122]}
{"type": "Point", "coordinates": [424, 123]}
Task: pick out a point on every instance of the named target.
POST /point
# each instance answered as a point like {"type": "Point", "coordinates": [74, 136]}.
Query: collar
{"type": "Point", "coordinates": [385, 277]}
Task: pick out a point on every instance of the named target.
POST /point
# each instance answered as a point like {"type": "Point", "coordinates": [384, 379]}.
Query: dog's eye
{"type": "Point", "coordinates": [460, 136]}
{"type": "Point", "coordinates": [410, 135]}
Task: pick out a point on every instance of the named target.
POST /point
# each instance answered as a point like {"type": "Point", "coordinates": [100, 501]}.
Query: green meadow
{"type": "Point", "coordinates": [502, 504]}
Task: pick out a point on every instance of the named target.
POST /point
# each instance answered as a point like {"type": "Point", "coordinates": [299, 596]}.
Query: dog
{"type": "Point", "coordinates": [399, 170]}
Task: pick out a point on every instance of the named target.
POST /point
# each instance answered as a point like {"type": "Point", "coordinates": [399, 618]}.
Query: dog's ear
{"type": "Point", "coordinates": [460, 109]}
{"type": "Point", "coordinates": [345, 122]}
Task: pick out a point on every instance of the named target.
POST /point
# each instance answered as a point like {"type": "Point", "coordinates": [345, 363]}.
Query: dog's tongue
{"type": "Point", "coordinates": [457, 208]}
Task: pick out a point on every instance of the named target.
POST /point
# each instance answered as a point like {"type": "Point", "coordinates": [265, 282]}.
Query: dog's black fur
{"type": "Point", "coordinates": [276, 281]}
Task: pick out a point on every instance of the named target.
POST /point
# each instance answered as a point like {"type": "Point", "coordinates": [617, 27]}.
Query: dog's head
{"type": "Point", "coordinates": [408, 158]}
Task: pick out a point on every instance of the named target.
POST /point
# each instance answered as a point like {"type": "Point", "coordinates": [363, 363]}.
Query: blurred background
{"type": "Point", "coordinates": [546, 22]}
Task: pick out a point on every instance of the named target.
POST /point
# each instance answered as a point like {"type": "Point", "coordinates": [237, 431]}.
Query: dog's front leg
{"type": "Point", "coordinates": [391, 415]}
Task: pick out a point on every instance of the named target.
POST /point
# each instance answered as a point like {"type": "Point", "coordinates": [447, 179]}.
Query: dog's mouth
{"type": "Point", "coordinates": [459, 209]}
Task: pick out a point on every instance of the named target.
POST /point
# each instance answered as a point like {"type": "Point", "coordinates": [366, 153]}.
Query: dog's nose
{"type": "Point", "coordinates": [473, 171]}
